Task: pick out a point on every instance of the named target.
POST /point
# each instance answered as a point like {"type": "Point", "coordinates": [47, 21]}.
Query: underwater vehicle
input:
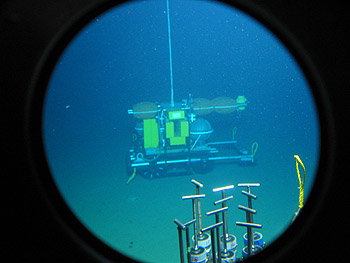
{"type": "Point", "coordinates": [173, 138]}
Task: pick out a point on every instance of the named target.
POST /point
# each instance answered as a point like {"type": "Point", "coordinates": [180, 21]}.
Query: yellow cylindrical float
{"type": "Point", "coordinates": [202, 106]}
{"type": "Point", "coordinates": [145, 110]}
{"type": "Point", "coordinates": [224, 105]}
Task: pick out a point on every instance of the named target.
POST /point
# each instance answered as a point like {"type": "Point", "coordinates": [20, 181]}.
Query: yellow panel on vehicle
{"type": "Point", "coordinates": [150, 133]}
{"type": "Point", "coordinates": [177, 140]}
{"type": "Point", "coordinates": [184, 129]}
{"type": "Point", "coordinates": [176, 115]}
{"type": "Point", "coordinates": [169, 126]}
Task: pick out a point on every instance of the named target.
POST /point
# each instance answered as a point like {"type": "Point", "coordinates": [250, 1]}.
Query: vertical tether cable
{"type": "Point", "coordinates": [170, 57]}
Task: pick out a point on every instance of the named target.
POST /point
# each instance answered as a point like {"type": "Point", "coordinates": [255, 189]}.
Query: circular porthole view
{"type": "Point", "coordinates": [181, 131]}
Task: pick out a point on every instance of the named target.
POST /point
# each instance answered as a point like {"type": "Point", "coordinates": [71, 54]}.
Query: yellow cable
{"type": "Point", "coordinates": [132, 176]}
{"type": "Point", "coordinates": [254, 150]}
{"type": "Point", "coordinates": [301, 184]}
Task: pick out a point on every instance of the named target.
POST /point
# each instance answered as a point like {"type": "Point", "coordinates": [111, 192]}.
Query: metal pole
{"type": "Point", "coordinates": [198, 185]}
{"type": "Point", "coordinates": [249, 229]}
{"type": "Point", "coordinates": [188, 245]}
{"type": "Point", "coordinates": [218, 238]}
{"type": "Point", "coordinates": [250, 205]}
{"type": "Point", "coordinates": [250, 240]}
{"type": "Point", "coordinates": [182, 260]}
{"type": "Point", "coordinates": [213, 247]}
{"type": "Point", "coordinates": [195, 224]}
{"type": "Point", "coordinates": [193, 197]}
{"type": "Point", "coordinates": [224, 214]}
{"type": "Point", "coordinates": [180, 227]}
{"type": "Point", "coordinates": [188, 242]}
{"type": "Point", "coordinates": [224, 227]}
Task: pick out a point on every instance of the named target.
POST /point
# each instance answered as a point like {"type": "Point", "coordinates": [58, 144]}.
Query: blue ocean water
{"type": "Point", "coordinates": [122, 58]}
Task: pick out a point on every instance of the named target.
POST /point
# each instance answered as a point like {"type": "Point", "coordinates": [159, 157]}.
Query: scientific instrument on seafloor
{"type": "Point", "coordinates": [219, 246]}
{"type": "Point", "coordinates": [173, 138]}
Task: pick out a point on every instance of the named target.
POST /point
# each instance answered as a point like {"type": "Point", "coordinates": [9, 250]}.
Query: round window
{"type": "Point", "coordinates": [171, 119]}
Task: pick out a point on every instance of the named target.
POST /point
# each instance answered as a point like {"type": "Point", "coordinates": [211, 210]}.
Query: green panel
{"type": "Point", "coordinates": [169, 126]}
{"type": "Point", "coordinates": [150, 133]}
{"type": "Point", "coordinates": [184, 129]}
